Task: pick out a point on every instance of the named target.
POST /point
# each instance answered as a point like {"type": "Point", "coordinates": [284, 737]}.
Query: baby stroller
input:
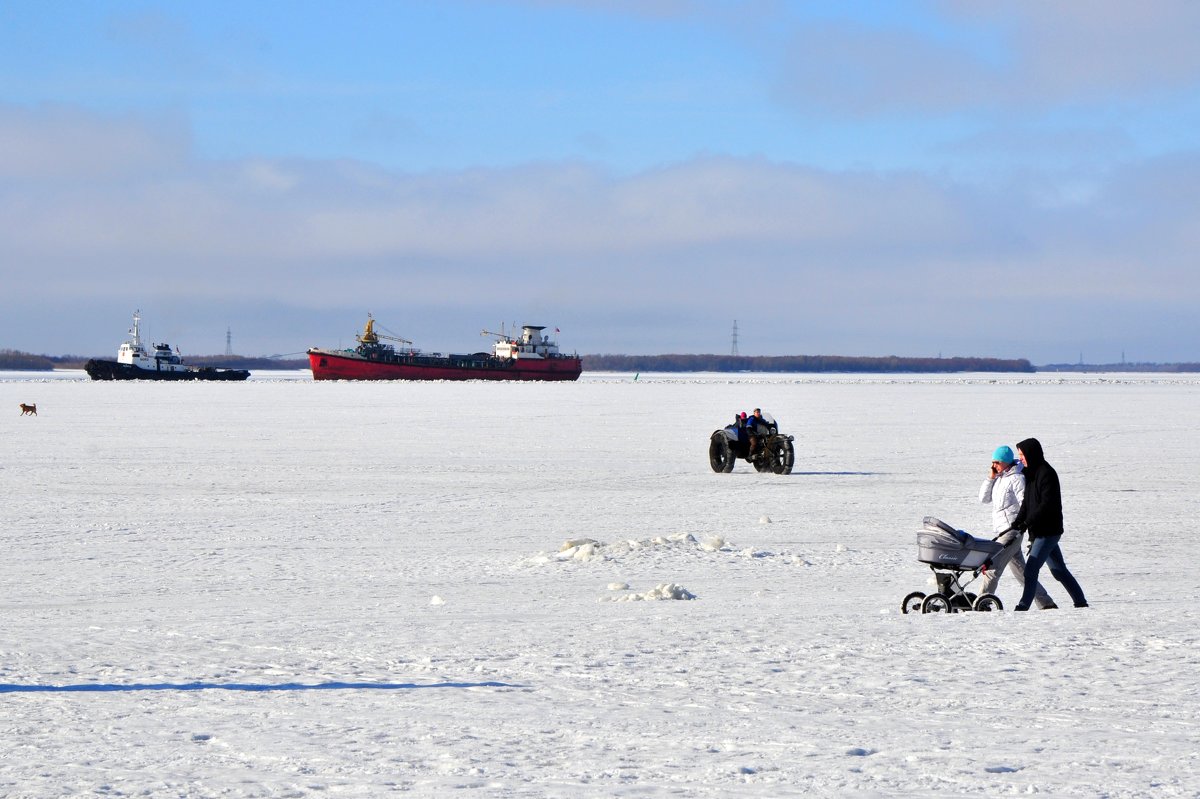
{"type": "Point", "coordinates": [952, 554]}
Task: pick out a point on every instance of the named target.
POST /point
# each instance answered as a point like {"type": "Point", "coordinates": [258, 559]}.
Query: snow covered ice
{"type": "Point", "coordinates": [288, 588]}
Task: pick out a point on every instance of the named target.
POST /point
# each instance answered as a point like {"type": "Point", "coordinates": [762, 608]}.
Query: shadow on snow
{"type": "Point", "coordinates": [254, 687]}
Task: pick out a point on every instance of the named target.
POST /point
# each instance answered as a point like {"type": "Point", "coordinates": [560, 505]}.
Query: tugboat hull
{"type": "Point", "coordinates": [349, 365]}
{"type": "Point", "coordinates": [112, 370]}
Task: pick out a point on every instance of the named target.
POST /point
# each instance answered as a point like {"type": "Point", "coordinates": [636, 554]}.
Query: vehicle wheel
{"type": "Point", "coordinates": [783, 457]}
{"type": "Point", "coordinates": [762, 462]}
{"type": "Point", "coordinates": [963, 601]}
{"type": "Point", "coordinates": [912, 602]}
{"type": "Point", "coordinates": [989, 602]}
{"type": "Point", "coordinates": [937, 603]}
{"type": "Point", "coordinates": [720, 456]}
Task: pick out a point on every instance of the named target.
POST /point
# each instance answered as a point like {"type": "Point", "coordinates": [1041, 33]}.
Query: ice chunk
{"type": "Point", "coordinates": [572, 543]}
{"type": "Point", "coordinates": [661, 591]}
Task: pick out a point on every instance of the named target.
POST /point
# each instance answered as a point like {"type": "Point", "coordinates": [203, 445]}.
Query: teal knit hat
{"type": "Point", "coordinates": [1004, 454]}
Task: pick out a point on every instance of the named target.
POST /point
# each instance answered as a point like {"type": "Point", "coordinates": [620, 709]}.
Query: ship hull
{"type": "Point", "coordinates": [113, 370]}
{"type": "Point", "coordinates": [343, 365]}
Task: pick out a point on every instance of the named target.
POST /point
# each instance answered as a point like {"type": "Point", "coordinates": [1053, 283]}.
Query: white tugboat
{"type": "Point", "coordinates": [135, 362]}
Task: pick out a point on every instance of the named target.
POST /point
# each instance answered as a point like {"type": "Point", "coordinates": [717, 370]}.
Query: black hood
{"type": "Point", "coordinates": [1031, 448]}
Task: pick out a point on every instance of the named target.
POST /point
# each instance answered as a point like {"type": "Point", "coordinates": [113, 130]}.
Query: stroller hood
{"type": "Point", "coordinates": [940, 545]}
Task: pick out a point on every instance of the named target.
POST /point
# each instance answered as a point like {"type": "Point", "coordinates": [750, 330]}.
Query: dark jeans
{"type": "Point", "coordinates": [1045, 550]}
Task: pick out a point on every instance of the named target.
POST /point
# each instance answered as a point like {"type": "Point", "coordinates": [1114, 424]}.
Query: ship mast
{"type": "Point", "coordinates": [136, 331]}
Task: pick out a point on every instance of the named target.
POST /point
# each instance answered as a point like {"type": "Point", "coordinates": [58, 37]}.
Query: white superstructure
{"type": "Point", "coordinates": [532, 345]}
{"type": "Point", "coordinates": [134, 353]}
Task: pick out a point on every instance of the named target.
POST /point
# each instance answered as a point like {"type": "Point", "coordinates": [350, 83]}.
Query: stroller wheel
{"type": "Point", "coordinates": [912, 602]}
{"type": "Point", "coordinates": [937, 603]}
{"type": "Point", "coordinates": [962, 601]}
{"type": "Point", "coordinates": [989, 602]}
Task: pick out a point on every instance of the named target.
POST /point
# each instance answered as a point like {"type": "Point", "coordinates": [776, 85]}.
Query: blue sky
{"type": "Point", "coordinates": [874, 178]}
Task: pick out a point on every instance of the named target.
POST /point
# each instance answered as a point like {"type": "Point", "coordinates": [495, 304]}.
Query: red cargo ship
{"type": "Point", "coordinates": [532, 356]}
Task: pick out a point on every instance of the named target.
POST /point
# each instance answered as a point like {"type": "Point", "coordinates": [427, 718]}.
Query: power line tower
{"type": "Point", "coordinates": [229, 341]}
{"type": "Point", "coordinates": [734, 350]}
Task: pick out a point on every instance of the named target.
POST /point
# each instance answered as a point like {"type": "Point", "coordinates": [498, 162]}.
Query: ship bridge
{"type": "Point", "coordinates": [532, 344]}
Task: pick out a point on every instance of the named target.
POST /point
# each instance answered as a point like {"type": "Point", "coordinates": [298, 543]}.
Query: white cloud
{"type": "Point", "coordinates": [50, 143]}
{"type": "Point", "coordinates": [1068, 48]}
{"type": "Point", "coordinates": [810, 260]}
{"type": "Point", "coordinates": [1027, 54]}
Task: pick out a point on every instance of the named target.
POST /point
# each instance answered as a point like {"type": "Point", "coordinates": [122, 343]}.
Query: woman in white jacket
{"type": "Point", "coordinates": [1004, 488]}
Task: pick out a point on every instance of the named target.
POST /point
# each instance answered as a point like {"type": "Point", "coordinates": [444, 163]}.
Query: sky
{"type": "Point", "coordinates": [910, 178]}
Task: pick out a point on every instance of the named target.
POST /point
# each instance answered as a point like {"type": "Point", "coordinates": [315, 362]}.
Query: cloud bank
{"type": "Point", "coordinates": [99, 215]}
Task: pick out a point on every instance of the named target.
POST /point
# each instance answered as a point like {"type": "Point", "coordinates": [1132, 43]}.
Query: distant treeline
{"type": "Point", "coordinates": [1120, 367]}
{"type": "Point", "coordinates": [14, 360]}
{"type": "Point", "coordinates": [796, 363]}
{"type": "Point", "coordinates": [24, 362]}
{"type": "Point", "coordinates": [240, 362]}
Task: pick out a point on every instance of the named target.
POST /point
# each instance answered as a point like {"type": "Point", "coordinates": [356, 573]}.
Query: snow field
{"type": "Point", "coordinates": [229, 590]}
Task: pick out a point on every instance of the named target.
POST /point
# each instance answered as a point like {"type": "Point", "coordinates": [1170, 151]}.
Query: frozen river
{"type": "Point", "coordinates": [289, 588]}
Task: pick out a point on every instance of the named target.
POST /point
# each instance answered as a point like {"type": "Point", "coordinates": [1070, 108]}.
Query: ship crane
{"type": "Point", "coordinates": [506, 346]}
{"type": "Point", "coordinates": [369, 336]}
{"type": "Point", "coordinates": [501, 336]}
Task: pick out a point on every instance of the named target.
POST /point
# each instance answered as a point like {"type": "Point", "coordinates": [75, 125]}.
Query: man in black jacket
{"type": "Point", "coordinates": [1041, 515]}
